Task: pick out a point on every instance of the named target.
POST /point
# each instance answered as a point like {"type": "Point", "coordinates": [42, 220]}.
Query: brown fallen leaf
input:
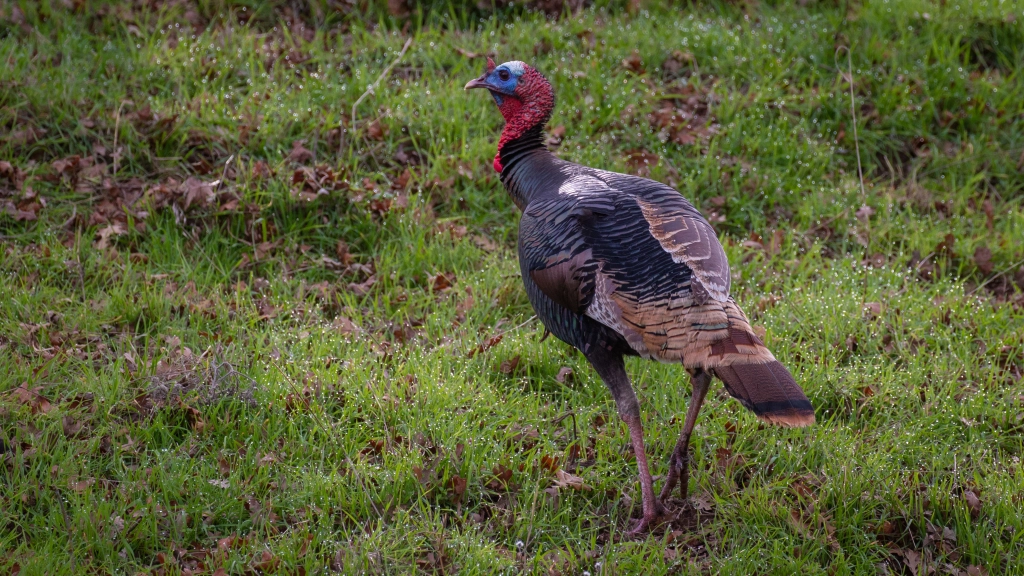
{"type": "Point", "coordinates": [25, 137]}
{"type": "Point", "coordinates": [945, 247]}
{"type": "Point", "coordinates": [633, 63]}
{"type": "Point", "coordinates": [911, 558]}
{"type": "Point", "coordinates": [376, 130]}
{"type": "Point", "coordinates": [7, 170]}
{"type": "Point", "coordinates": [990, 211]}
{"type": "Point", "coordinates": [775, 242]}
{"type": "Point", "coordinates": [502, 476]}
{"type": "Point", "coordinates": [872, 310]}
{"type": "Point", "coordinates": [555, 136]}
{"type": "Point", "coordinates": [72, 428]}
{"type": "Point", "coordinates": [456, 231]}
{"type": "Point", "coordinates": [32, 398]}
{"type": "Point", "coordinates": [676, 62]}
{"type": "Point", "coordinates": [549, 463]}
{"type": "Point", "coordinates": [363, 288]}
{"type": "Point", "coordinates": [565, 376]}
{"type": "Point", "coordinates": [565, 480]}
{"type": "Point", "coordinates": [401, 182]}
{"type": "Point", "coordinates": [381, 206]}
{"type": "Point", "coordinates": [487, 345]}
{"type": "Point", "coordinates": [864, 213]}
{"type": "Point", "coordinates": [703, 502]}
{"type": "Point", "coordinates": [441, 282]}
{"type": "Point", "coordinates": [509, 366]}
{"type": "Point", "coordinates": [640, 161]}
{"type": "Point", "coordinates": [261, 171]}
{"type": "Point", "coordinates": [343, 325]}
{"type": "Point", "coordinates": [973, 503]}
{"type": "Point", "coordinates": [82, 485]}
{"type": "Point", "coordinates": [801, 524]}
{"type": "Point", "coordinates": [484, 243]}
{"type": "Point", "coordinates": [300, 154]}
{"type": "Point", "coordinates": [267, 563]}
{"type": "Point", "coordinates": [398, 8]}
{"type": "Point", "coordinates": [23, 212]}
{"type": "Point", "coordinates": [983, 259]}
{"type": "Point", "coordinates": [457, 488]}
{"type": "Point", "coordinates": [195, 192]}
{"type": "Point", "coordinates": [887, 528]}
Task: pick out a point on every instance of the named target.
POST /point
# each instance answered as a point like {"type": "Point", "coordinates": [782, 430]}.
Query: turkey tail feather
{"type": "Point", "coordinates": [769, 391]}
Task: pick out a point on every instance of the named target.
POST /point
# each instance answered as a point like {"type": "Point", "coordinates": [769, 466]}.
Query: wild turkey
{"type": "Point", "coordinates": [618, 265]}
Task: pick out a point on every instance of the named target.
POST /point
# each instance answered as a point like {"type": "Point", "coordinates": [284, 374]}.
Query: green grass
{"type": "Point", "coordinates": [210, 381]}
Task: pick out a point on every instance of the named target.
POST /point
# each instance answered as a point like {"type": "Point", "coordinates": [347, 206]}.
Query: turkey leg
{"type": "Point", "coordinates": [679, 463]}
{"type": "Point", "coordinates": [612, 370]}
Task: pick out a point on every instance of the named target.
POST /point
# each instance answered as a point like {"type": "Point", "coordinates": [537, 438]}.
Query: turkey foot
{"type": "Point", "coordinates": [679, 463]}
{"type": "Point", "coordinates": [644, 525]}
{"type": "Point", "coordinates": [654, 511]}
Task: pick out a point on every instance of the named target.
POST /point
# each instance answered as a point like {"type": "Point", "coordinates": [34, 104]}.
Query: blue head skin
{"type": "Point", "coordinates": [499, 80]}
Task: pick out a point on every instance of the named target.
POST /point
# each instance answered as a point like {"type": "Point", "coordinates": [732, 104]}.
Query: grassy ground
{"type": "Point", "coordinates": [249, 327]}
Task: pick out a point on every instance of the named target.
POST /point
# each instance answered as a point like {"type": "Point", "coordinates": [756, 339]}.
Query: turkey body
{"type": "Point", "coordinates": [618, 265]}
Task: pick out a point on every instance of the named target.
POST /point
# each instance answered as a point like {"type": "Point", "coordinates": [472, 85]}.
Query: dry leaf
{"type": "Point", "coordinates": [640, 161]}
{"type": "Point", "coordinates": [343, 325]}
{"type": "Point", "coordinates": [864, 213]}
{"type": "Point", "coordinates": [487, 345]}
{"type": "Point", "coordinates": [633, 63]}
{"type": "Point", "coordinates": [457, 487]}
{"type": "Point", "coordinates": [261, 171]}
{"type": "Point", "coordinates": [509, 366]}
{"type": "Point", "coordinates": [565, 480]}
{"type": "Point", "coordinates": [72, 427]}
{"type": "Point", "coordinates": [116, 526]}
{"type": "Point", "coordinates": [565, 376]}
{"type": "Point", "coordinates": [299, 153]}
{"type": "Point", "coordinates": [268, 562]}
{"type": "Point", "coordinates": [484, 243]}
{"type": "Point", "coordinates": [983, 259]}
{"type": "Point", "coordinates": [442, 282]}
{"type": "Point", "coordinates": [398, 8]}
{"type": "Point", "coordinates": [872, 310]}
{"type": "Point", "coordinates": [973, 503]}
{"type": "Point", "coordinates": [32, 398]}
{"type": "Point", "coordinates": [82, 485]}
{"type": "Point", "coordinates": [946, 246]}
{"type": "Point", "coordinates": [363, 288]}
{"type": "Point", "coordinates": [549, 463]}
{"type": "Point", "coordinates": [376, 130]}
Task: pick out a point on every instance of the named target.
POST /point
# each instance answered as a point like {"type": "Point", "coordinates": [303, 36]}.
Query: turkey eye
{"type": "Point", "coordinates": [503, 74]}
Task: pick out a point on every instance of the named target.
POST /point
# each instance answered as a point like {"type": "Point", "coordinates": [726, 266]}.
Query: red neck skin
{"type": "Point", "coordinates": [531, 106]}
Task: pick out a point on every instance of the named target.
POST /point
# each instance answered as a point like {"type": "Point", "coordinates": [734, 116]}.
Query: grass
{"type": "Point", "coordinates": [223, 352]}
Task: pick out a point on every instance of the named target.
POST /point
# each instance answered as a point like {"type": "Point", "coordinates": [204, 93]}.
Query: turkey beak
{"type": "Point", "coordinates": [480, 82]}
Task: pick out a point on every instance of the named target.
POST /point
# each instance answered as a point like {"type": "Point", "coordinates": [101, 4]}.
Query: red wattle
{"type": "Point", "coordinates": [529, 106]}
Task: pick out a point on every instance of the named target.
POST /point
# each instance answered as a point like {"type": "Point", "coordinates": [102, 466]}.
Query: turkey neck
{"type": "Point", "coordinates": [529, 170]}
